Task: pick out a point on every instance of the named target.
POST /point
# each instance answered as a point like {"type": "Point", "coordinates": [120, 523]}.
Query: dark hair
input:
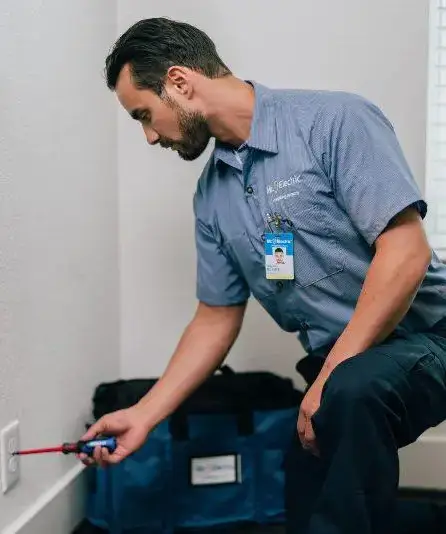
{"type": "Point", "coordinates": [278, 250]}
{"type": "Point", "coordinates": [153, 45]}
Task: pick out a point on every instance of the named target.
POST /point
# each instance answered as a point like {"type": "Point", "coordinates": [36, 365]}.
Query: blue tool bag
{"type": "Point", "coordinates": [218, 460]}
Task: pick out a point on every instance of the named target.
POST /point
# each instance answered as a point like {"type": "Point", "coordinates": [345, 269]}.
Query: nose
{"type": "Point", "coordinates": [151, 136]}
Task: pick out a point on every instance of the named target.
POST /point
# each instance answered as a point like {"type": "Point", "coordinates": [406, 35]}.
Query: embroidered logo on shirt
{"type": "Point", "coordinates": [277, 185]}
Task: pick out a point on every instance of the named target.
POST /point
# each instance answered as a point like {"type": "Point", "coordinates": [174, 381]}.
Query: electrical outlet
{"type": "Point", "coordinates": [9, 464]}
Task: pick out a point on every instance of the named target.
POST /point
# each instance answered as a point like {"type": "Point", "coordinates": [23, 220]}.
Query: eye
{"type": "Point", "coordinates": [145, 118]}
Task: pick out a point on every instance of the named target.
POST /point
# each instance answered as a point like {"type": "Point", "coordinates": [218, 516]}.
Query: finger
{"type": "Point", "coordinates": [301, 424]}
{"type": "Point", "coordinates": [116, 456]}
{"type": "Point", "coordinates": [97, 455]}
{"type": "Point", "coordinates": [95, 429]}
{"type": "Point", "coordinates": [105, 456]}
{"type": "Point", "coordinates": [310, 437]}
{"type": "Point", "coordinates": [85, 459]}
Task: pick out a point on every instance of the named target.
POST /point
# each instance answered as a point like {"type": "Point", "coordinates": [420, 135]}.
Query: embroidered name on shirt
{"type": "Point", "coordinates": [277, 185]}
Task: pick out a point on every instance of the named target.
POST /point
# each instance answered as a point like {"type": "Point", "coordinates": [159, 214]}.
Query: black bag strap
{"type": "Point", "coordinates": [179, 426]}
{"type": "Point", "coordinates": [245, 422]}
{"type": "Point", "coordinates": [245, 415]}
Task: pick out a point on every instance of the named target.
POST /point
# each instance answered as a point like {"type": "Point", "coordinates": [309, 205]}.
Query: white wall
{"type": "Point", "coordinates": [377, 48]}
{"type": "Point", "coordinates": [58, 230]}
{"type": "Point", "coordinates": [59, 323]}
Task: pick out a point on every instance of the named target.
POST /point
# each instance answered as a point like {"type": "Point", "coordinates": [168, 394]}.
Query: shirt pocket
{"type": "Point", "coordinates": [317, 255]}
{"type": "Point", "coordinates": [317, 251]}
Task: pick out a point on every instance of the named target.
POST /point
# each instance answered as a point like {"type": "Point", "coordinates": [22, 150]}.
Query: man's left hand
{"type": "Point", "coordinates": [308, 408]}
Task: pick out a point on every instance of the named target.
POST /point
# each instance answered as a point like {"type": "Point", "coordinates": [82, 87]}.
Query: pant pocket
{"type": "Point", "coordinates": [427, 404]}
{"type": "Point", "coordinates": [408, 352]}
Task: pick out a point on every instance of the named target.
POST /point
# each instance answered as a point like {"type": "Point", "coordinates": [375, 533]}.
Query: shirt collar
{"type": "Point", "coordinates": [263, 134]}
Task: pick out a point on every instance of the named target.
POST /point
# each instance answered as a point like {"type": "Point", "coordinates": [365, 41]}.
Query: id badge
{"type": "Point", "coordinates": [279, 262]}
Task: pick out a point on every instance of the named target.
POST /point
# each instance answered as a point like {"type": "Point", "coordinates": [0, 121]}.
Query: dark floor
{"type": "Point", "coordinates": [419, 512]}
{"type": "Point", "coordinates": [421, 522]}
{"type": "Point", "coordinates": [273, 529]}
{"type": "Point", "coordinates": [85, 528]}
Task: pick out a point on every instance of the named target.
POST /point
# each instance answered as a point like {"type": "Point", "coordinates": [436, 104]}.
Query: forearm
{"type": "Point", "coordinates": [391, 284]}
{"type": "Point", "coordinates": [202, 348]}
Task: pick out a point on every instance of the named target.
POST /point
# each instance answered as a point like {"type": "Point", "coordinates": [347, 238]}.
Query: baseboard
{"type": "Point", "coordinates": [58, 510]}
{"type": "Point", "coordinates": [423, 464]}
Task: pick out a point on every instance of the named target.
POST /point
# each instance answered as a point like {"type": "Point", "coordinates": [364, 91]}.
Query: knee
{"type": "Point", "coordinates": [350, 382]}
{"type": "Point", "coordinates": [348, 402]}
{"type": "Point", "coordinates": [353, 387]}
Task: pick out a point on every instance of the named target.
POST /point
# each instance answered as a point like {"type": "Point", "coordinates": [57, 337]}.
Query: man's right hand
{"type": "Point", "coordinates": [202, 348]}
{"type": "Point", "coordinates": [130, 429]}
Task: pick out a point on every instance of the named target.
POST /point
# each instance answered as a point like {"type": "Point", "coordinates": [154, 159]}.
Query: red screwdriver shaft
{"type": "Point", "coordinates": [39, 451]}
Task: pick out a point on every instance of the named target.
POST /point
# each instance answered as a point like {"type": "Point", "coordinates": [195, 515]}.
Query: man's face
{"type": "Point", "coordinates": [164, 120]}
{"type": "Point", "coordinates": [279, 256]}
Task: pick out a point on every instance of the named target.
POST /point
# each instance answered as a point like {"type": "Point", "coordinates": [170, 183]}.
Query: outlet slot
{"type": "Point", "coordinates": [9, 464]}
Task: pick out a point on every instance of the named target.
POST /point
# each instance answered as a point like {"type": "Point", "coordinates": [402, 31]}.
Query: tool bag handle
{"type": "Point", "coordinates": [237, 405]}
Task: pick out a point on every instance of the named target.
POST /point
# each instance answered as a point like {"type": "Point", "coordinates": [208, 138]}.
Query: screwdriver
{"type": "Point", "coordinates": [85, 447]}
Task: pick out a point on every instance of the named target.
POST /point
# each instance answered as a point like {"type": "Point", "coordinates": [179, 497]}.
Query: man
{"type": "Point", "coordinates": [278, 254]}
{"type": "Point", "coordinates": [367, 292]}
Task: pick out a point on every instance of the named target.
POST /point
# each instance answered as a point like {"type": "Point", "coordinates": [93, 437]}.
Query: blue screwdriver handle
{"type": "Point", "coordinates": [88, 447]}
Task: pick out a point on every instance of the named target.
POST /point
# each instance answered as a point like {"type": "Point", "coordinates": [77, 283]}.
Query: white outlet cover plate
{"type": "Point", "coordinates": [9, 465]}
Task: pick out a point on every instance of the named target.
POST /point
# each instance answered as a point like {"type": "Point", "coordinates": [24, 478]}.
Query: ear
{"type": "Point", "coordinates": [178, 79]}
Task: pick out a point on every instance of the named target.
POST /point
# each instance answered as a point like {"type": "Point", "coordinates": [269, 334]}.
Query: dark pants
{"type": "Point", "coordinates": [372, 404]}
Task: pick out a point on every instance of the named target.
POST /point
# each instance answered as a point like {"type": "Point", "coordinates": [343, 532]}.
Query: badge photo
{"type": "Point", "coordinates": [279, 262]}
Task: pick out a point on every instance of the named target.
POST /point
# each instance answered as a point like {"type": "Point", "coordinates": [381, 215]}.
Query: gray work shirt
{"type": "Point", "coordinates": [330, 165]}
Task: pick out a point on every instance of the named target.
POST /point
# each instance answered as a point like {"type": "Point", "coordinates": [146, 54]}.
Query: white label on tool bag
{"type": "Point", "coordinates": [215, 470]}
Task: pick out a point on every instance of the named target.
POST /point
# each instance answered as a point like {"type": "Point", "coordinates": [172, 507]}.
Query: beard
{"type": "Point", "coordinates": [195, 133]}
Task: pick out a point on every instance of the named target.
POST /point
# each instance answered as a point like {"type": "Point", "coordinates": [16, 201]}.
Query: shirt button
{"type": "Point", "coordinates": [249, 190]}
{"type": "Point", "coordinates": [279, 285]}
{"type": "Point", "coordinates": [304, 325]}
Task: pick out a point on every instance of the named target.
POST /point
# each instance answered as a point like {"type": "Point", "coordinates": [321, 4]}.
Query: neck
{"type": "Point", "coordinates": [229, 109]}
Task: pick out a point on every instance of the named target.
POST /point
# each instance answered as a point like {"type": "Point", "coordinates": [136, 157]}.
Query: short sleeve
{"type": "Point", "coordinates": [371, 179]}
{"type": "Point", "coordinates": [218, 282]}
